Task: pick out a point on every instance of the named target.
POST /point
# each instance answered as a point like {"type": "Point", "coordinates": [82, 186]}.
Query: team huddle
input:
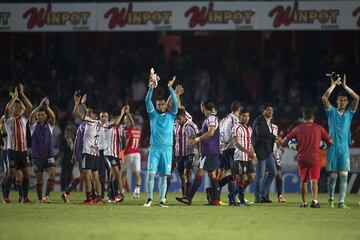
{"type": "Point", "coordinates": [231, 151]}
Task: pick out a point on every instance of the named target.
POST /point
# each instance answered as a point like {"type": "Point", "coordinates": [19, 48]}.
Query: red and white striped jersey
{"type": "Point", "coordinates": [243, 134]}
{"type": "Point", "coordinates": [16, 133]}
{"type": "Point", "coordinates": [112, 140]}
{"type": "Point", "coordinates": [133, 144]}
{"type": "Point", "coordinates": [91, 136]}
{"type": "Point", "coordinates": [182, 134]}
{"type": "Point", "coordinates": [226, 125]}
{"type": "Point", "coordinates": [276, 148]}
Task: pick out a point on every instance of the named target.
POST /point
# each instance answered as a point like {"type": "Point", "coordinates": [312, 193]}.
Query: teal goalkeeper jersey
{"type": "Point", "coordinates": [161, 124]}
{"type": "Point", "coordinates": [339, 126]}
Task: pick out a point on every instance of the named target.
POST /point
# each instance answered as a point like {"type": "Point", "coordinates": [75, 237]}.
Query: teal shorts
{"type": "Point", "coordinates": [338, 158]}
{"type": "Point", "coordinates": [159, 160]}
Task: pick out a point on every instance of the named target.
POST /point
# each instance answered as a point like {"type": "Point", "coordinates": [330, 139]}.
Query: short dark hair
{"type": "Point", "coordinates": [244, 110]}
{"type": "Point", "coordinates": [266, 105]}
{"type": "Point", "coordinates": [235, 106]}
{"type": "Point", "coordinates": [308, 113]}
{"type": "Point", "coordinates": [181, 112]}
{"type": "Point", "coordinates": [42, 109]}
{"type": "Point", "coordinates": [17, 101]}
{"type": "Point", "coordinates": [160, 98]}
{"type": "Point", "coordinates": [342, 94]}
{"type": "Point", "coordinates": [209, 105]}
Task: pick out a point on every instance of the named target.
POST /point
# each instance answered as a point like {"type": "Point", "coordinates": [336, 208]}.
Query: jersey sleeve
{"type": "Point", "coordinates": [212, 121]}
{"type": "Point", "coordinates": [292, 134]}
{"type": "Point", "coordinates": [32, 128]}
{"type": "Point", "coordinates": [330, 110]}
{"type": "Point", "coordinates": [149, 105]}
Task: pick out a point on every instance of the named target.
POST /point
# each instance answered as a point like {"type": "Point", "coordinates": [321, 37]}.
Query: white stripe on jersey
{"type": "Point", "coordinates": [113, 141]}
{"type": "Point", "coordinates": [276, 149]}
{"type": "Point", "coordinates": [91, 136]}
{"type": "Point", "coordinates": [16, 133]}
{"type": "Point", "coordinates": [243, 133]}
{"type": "Point", "coordinates": [182, 134]}
{"type": "Point", "coordinates": [226, 125]}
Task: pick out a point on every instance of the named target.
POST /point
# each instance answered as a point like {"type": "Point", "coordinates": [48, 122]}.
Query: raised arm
{"type": "Point", "coordinates": [28, 105]}
{"type": "Point", "coordinates": [76, 111]}
{"type": "Point", "coordinates": [325, 97]}
{"type": "Point", "coordinates": [117, 120]}
{"type": "Point", "coordinates": [51, 114]}
{"type": "Point", "coordinates": [32, 117]}
{"type": "Point", "coordinates": [174, 105]}
{"type": "Point", "coordinates": [179, 90]}
{"type": "Point", "coordinates": [9, 106]}
{"type": "Point", "coordinates": [130, 118]}
{"type": "Point", "coordinates": [355, 97]}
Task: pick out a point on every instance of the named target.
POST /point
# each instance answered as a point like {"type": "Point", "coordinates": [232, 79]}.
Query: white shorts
{"type": "Point", "coordinates": [132, 161]}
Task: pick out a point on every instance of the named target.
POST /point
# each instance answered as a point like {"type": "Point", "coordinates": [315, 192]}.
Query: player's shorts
{"type": "Point", "coordinates": [309, 173]}
{"type": "Point", "coordinates": [338, 158]}
{"type": "Point", "coordinates": [184, 162]}
{"type": "Point", "coordinates": [278, 164]}
{"type": "Point", "coordinates": [90, 162]}
{"type": "Point", "coordinates": [209, 162]}
{"type": "Point", "coordinates": [18, 159]}
{"type": "Point", "coordinates": [226, 158]}
{"type": "Point", "coordinates": [5, 161]}
{"type": "Point", "coordinates": [132, 162]}
{"type": "Point", "coordinates": [113, 161]}
{"type": "Point", "coordinates": [159, 160]}
{"type": "Point", "coordinates": [243, 167]}
{"type": "Point", "coordinates": [41, 164]}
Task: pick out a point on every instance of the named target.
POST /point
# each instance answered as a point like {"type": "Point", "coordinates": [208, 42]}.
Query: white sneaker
{"type": "Point", "coordinates": [162, 205]}
{"type": "Point", "coordinates": [148, 203]}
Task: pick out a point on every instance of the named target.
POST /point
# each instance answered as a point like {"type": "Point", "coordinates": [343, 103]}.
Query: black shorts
{"type": "Point", "coordinates": [184, 162]}
{"type": "Point", "coordinates": [226, 158]}
{"type": "Point", "coordinates": [18, 159]}
{"type": "Point", "coordinates": [113, 161]}
{"type": "Point", "coordinates": [90, 162]}
{"type": "Point", "coordinates": [278, 164]}
{"type": "Point", "coordinates": [209, 162]}
{"type": "Point", "coordinates": [40, 164]}
{"type": "Point", "coordinates": [243, 167]}
{"type": "Point", "coordinates": [5, 161]}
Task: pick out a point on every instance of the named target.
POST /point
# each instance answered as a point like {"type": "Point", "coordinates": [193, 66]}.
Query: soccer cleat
{"type": "Point", "coordinates": [65, 197]}
{"type": "Point", "coordinates": [184, 200]}
{"type": "Point", "coordinates": [45, 200]}
{"type": "Point", "coordinates": [232, 199]}
{"type": "Point", "coordinates": [87, 202]}
{"type": "Point", "coordinates": [99, 202]}
{"type": "Point", "coordinates": [303, 205]}
{"type": "Point", "coordinates": [165, 200]}
{"type": "Point", "coordinates": [27, 200]}
{"type": "Point", "coordinates": [136, 195]}
{"type": "Point", "coordinates": [281, 199]}
{"type": "Point", "coordinates": [343, 206]}
{"type": "Point", "coordinates": [162, 205]}
{"type": "Point", "coordinates": [148, 203]}
{"type": "Point", "coordinates": [331, 203]}
{"type": "Point", "coordinates": [216, 203]}
{"type": "Point", "coordinates": [112, 200]}
{"type": "Point", "coordinates": [315, 204]}
{"type": "Point", "coordinates": [244, 204]}
{"type": "Point", "coordinates": [223, 204]}
{"type": "Point", "coordinates": [266, 200]}
{"type": "Point", "coordinates": [6, 201]}
{"type": "Point", "coordinates": [119, 198]}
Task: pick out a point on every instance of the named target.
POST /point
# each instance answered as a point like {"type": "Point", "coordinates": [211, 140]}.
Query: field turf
{"type": "Point", "coordinates": [129, 220]}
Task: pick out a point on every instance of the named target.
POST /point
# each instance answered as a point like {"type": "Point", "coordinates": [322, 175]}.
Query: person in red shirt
{"type": "Point", "coordinates": [308, 136]}
{"type": "Point", "coordinates": [132, 154]}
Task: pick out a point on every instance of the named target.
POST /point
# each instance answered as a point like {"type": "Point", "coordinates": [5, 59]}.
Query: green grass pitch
{"type": "Point", "coordinates": [129, 220]}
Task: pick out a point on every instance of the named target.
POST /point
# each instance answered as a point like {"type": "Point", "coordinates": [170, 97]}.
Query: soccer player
{"type": "Point", "coordinates": [277, 153]}
{"type": "Point", "coordinates": [132, 153]}
{"type": "Point", "coordinates": [6, 178]}
{"type": "Point", "coordinates": [113, 132]}
{"type": "Point", "coordinates": [184, 129]}
{"type": "Point", "coordinates": [42, 122]}
{"type": "Point", "coordinates": [227, 146]}
{"type": "Point", "coordinates": [90, 158]}
{"type": "Point", "coordinates": [339, 122]}
{"type": "Point", "coordinates": [210, 150]}
{"type": "Point", "coordinates": [308, 136]}
{"type": "Point", "coordinates": [244, 158]}
{"type": "Point", "coordinates": [161, 139]}
{"type": "Point", "coordinates": [16, 117]}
